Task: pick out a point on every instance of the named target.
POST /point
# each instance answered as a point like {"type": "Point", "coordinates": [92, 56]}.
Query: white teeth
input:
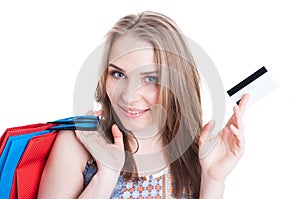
{"type": "Point", "coordinates": [134, 112]}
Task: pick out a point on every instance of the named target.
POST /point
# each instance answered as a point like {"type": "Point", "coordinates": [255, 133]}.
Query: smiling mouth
{"type": "Point", "coordinates": [133, 112]}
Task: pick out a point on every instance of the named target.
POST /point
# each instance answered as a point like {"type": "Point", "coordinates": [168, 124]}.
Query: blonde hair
{"type": "Point", "coordinates": [179, 95]}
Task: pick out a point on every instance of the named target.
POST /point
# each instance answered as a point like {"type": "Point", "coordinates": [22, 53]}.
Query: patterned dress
{"type": "Point", "coordinates": [156, 186]}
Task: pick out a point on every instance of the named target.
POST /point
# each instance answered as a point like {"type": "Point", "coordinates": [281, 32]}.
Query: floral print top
{"type": "Point", "coordinates": [156, 186]}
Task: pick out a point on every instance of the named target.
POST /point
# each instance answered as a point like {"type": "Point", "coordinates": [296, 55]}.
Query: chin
{"type": "Point", "coordinates": [135, 124]}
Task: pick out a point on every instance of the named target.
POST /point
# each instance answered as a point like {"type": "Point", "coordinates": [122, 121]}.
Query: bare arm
{"type": "Point", "coordinates": [112, 155]}
{"type": "Point", "coordinates": [62, 176]}
{"type": "Point", "coordinates": [225, 154]}
{"type": "Point", "coordinates": [210, 188]}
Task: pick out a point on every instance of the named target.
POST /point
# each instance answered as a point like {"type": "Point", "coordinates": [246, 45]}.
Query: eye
{"type": "Point", "coordinates": [117, 75]}
{"type": "Point", "coordinates": [151, 79]}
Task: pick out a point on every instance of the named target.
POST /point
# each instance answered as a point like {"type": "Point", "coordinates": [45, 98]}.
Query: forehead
{"type": "Point", "coordinates": [129, 53]}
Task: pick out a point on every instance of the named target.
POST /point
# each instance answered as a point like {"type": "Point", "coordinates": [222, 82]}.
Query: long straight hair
{"type": "Point", "coordinates": [179, 94]}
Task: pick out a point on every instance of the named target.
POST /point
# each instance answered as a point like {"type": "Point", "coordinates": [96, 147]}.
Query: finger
{"type": "Point", "coordinates": [94, 113]}
{"type": "Point", "coordinates": [234, 131]}
{"type": "Point", "coordinates": [237, 118]}
{"type": "Point", "coordinates": [103, 152]}
{"type": "Point", "coordinates": [238, 135]}
{"type": "Point", "coordinates": [88, 138]}
{"type": "Point", "coordinates": [118, 136]}
{"type": "Point", "coordinates": [79, 134]}
{"type": "Point", "coordinates": [98, 113]}
{"type": "Point", "coordinates": [90, 112]}
{"type": "Point", "coordinates": [243, 103]}
{"type": "Point", "coordinates": [205, 132]}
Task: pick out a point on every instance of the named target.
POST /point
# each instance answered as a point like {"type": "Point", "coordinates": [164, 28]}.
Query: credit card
{"type": "Point", "coordinates": [258, 85]}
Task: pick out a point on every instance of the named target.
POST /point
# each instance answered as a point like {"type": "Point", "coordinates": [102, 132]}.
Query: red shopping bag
{"type": "Point", "coordinates": [24, 151]}
{"type": "Point", "coordinates": [29, 170]}
{"type": "Point", "coordinates": [22, 130]}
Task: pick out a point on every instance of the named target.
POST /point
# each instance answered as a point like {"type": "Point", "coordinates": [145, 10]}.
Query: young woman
{"type": "Point", "coordinates": [151, 133]}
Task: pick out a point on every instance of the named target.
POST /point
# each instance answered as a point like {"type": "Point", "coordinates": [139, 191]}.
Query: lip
{"type": "Point", "coordinates": [133, 112]}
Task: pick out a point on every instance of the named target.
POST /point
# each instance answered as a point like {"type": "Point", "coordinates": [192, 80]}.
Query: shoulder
{"type": "Point", "coordinates": [68, 149]}
{"type": "Point", "coordinates": [64, 168]}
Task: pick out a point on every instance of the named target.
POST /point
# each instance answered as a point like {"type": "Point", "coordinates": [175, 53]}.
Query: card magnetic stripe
{"type": "Point", "coordinates": [247, 81]}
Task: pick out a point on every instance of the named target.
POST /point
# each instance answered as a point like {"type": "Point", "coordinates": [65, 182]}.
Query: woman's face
{"type": "Point", "coordinates": [132, 82]}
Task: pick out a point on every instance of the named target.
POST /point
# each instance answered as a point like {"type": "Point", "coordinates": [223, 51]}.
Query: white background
{"type": "Point", "coordinates": [44, 44]}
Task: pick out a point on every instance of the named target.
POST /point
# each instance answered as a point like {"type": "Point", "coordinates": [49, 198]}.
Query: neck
{"type": "Point", "coordinates": [149, 158]}
{"type": "Point", "coordinates": [149, 145]}
{"type": "Point", "coordinates": [148, 140]}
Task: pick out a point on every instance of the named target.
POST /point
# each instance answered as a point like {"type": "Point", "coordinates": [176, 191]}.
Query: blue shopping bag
{"type": "Point", "coordinates": [15, 144]}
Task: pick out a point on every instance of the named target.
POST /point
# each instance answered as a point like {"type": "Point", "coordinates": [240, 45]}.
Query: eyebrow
{"type": "Point", "coordinates": [149, 73]}
{"type": "Point", "coordinates": [112, 65]}
{"type": "Point", "coordinates": [142, 73]}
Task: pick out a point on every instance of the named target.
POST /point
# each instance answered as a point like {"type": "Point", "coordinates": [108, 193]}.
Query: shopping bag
{"type": "Point", "coordinates": [29, 170]}
{"type": "Point", "coordinates": [24, 151]}
{"type": "Point", "coordinates": [22, 130]}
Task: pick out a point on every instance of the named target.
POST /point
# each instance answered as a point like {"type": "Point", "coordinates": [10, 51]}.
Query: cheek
{"type": "Point", "coordinates": [110, 87]}
{"type": "Point", "coordinates": [151, 94]}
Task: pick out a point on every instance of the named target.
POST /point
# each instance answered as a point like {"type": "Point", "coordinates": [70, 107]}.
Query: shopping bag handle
{"type": "Point", "coordinates": [77, 119]}
{"type": "Point", "coordinates": [77, 126]}
{"type": "Point", "coordinates": [85, 123]}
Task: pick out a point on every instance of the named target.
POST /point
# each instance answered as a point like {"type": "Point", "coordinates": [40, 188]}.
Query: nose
{"type": "Point", "coordinates": [130, 91]}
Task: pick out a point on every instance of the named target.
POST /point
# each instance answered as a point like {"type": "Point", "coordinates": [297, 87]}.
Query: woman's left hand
{"type": "Point", "coordinates": [228, 148]}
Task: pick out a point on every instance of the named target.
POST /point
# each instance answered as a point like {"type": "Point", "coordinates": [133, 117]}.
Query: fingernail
{"type": "Point", "coordinates": [114, 127]}
{"type": "Point", "coordinates": [211, 125]}
{"type": "Point", "coordinates": [236, 108]}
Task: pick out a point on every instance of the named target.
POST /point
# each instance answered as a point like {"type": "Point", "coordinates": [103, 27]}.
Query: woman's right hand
{"type": "Point", "coordinates": [110, 157]}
